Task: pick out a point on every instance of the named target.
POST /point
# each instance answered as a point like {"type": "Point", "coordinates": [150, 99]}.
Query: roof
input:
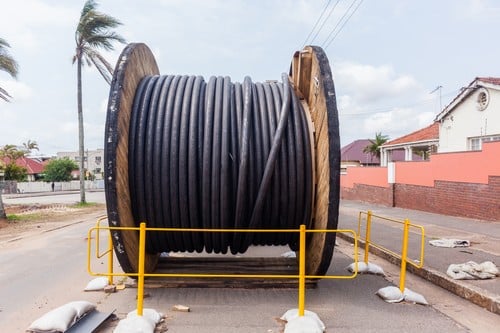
{"type": "Point", "coordinates": [33, 166]}
{"type": "Point", "coordinates": [487, 82]}
{"type": "Point", "coordinates": [428, 133]}
{"type": "Point", "coordinates": [354, 152]}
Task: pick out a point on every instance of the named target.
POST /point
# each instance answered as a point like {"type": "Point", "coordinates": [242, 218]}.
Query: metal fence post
{"type": "Point", "coordinates": [404, 254]}
{"type": "Point", "coordinates": [368, 234]}
{"type": "Point", "coordinates": [302, 269]}
{"type": "Point", "coordinates": [140, 282]}
{"type": "Point", "coordinates": [110, 259]}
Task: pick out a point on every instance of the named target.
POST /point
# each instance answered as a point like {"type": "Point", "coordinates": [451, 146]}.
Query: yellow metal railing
{"type": "Point", "coordinates": [368, 218]}
{"type": "Point", "coordinates": [142, 251]}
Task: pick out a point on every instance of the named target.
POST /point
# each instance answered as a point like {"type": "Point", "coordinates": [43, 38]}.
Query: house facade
{"type": "Point", "coordinates": [472, 117]}
{"type": "Point", "coordinates": [461, 175]}
{"type": "Point", "coordinates": [93, 161]}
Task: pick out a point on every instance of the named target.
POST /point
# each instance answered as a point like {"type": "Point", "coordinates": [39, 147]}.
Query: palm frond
{"type": "Point", "coordinates": [4, 95]}
{"type": "Point", "coordinates": [100, 63]}
{"type": "Point", "coordinates": [7, 62]}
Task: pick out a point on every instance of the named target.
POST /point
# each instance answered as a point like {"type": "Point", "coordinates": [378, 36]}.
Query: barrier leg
{"type": "Point", "coordinates": [140, 282]}
{"type": "Point", "coordinates": [110, 259]}
{"type": "Point", "coordinates": [302, 269]}
{"type": "Point", "coordinates": [368, 234]}
{"type": "Point", "coordinates": [404, 254]}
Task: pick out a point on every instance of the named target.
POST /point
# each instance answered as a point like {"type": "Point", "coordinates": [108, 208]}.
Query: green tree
{"type": "Point", "coordinates": [15, 172]}
{"type": "Point", "coordinates": [59, 170]}
{"type": "Point", "coordinates": [10, 154]}
{"type": "Point", "coordinates": [374, 147]}
{"type": "Point", "coordinates": [7, 64]}
{"type": "Point", "coordinates": [94, 32]}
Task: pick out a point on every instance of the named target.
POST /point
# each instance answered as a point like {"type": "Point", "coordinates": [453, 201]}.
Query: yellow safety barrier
{"type": "Point", "coordinates": [142, 251]}
{"type": "Point", "coordinates": [404, 246]}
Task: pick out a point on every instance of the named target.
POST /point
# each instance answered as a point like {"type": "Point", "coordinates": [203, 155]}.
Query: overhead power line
{"type": "Point", "coordinates": [327, 43]}
{"type": "Point", "coordinates": [316, 24]}
{"type": "Point", "coordinates": [322, 24]}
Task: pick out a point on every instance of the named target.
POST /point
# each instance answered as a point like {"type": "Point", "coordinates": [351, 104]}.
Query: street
{"type": "Point", "coordinates": [45, 270]}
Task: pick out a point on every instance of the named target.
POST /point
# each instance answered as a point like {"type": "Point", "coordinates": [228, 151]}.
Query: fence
{"type": "Point", "coordinates": [301, 276]}
{"type": "Point", "coordinates": [368, 218]}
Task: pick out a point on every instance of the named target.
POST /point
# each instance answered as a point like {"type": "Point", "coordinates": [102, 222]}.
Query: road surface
{"type": "Point", "coordinates": [44, 270]}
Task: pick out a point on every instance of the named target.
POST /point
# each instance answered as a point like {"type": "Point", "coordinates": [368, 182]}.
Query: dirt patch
{"type": "Point", "coordinates": [26, 219]}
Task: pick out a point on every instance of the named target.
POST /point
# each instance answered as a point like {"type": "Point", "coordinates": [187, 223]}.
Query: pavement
{"type": "Point", "coordinates": [484, 237]}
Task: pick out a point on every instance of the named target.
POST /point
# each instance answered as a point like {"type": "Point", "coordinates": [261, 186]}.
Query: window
{"type": "Point", "coordinates": [98, 160]}
{"type": "Point", "coordinates": [482, 99]}
{"type": "Point", "coordinates": [474, 144]}
{"type": "Point", "coordinates": [477, 142]}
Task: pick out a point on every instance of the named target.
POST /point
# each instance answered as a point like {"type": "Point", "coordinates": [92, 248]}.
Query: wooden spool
{"type": "Point", "coordinates": [312, 79]}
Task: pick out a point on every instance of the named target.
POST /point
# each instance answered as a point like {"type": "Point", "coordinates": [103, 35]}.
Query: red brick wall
{"type": "Point", "coordinates": [368, 193]}
{"type": "Point", "coordinates": [480, 201]}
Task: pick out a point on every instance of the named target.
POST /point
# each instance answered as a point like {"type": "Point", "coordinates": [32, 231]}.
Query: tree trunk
{"type": "Point", "coordinates": [2, 209]}
{"type": "Point", "coordinates": [80, 131]}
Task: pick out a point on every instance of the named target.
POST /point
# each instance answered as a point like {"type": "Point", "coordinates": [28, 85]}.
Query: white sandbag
{"type": "Point", "coordinates": [139, 324]}
{"type": "Point", "coordinates": [391, 294]}
{"type": "Point", "coordinates": [289, 254]}
{"type": "Point", "coordinates": [366, 268]}
{"type": "Point", "coordinates": [292, 314]}
{"type": "Point", "coordinates": [472, 271]}
{"type": "Point", "coordinates": [449, 242]}
{"type": "Point", "coordinates": [413, 297]}
{"type": "Point", "coordinates": [62, 318]}
{"type": "Point", "coordinates": [135, 325]}
{"type": "Point", "coordinates": [150, 314]}
{"type": "Point", "coordinates": [304, 324]}
{"type": "Point", "coordinates": [97, 284]}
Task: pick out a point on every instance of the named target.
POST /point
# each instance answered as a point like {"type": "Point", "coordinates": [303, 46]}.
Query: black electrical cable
{"type": "Point", "coordinates": [219, 155]}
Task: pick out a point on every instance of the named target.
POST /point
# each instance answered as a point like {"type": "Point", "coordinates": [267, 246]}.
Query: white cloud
{"type": "Point", "coordinates": [21, 21]}
{"type": "Point", "coordinates": [19, 91]}
{"type": "Point", "coordinates": [370, 84]}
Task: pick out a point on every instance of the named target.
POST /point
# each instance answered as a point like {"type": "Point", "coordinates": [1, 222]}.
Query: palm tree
{"type": "Point", "coordinates": [29, 146]}
{"type": "Point", "coordinates": [374, 147]}
{"type": "Point", "coordinates": [7, 64]}
{"type": "Point", "coordinates": [92, 33]}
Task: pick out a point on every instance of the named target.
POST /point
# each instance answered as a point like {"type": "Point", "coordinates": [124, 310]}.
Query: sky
{"type": "Point", "coordinates": [386, 60]}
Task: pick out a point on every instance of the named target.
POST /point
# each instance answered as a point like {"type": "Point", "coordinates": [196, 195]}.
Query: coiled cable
{"type": "Point", "coordinates": [219, 155]}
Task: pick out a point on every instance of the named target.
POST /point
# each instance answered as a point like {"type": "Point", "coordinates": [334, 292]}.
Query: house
{"type": "Point", "coordinates": [461, 177]}
{"type": "Point", "coordinates": [93, 162]}
{"type": "Point", "coordinates": [472, 117]}
{"type": "Point", "coordinates": [353, 154]}
{"type": "Point", "coordinates": [424, 141]}
{"type": "Point", "coordinates": [34, 167]}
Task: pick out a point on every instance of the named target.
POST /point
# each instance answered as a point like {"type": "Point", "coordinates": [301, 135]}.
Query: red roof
{"type": "Point", "coordinates": [491, 80]}
{"type": "Point", "coordinates": [32, 166]}
{"type": "Point", "coordinates": [430, 132]}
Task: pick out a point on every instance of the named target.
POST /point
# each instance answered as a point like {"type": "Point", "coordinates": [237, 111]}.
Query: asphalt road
{"type": "Point", "coordinates": [45, 270]}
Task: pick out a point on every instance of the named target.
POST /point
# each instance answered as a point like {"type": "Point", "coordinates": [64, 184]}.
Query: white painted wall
{"type": "Point", "coordinates": [31, 187]}
{"type": "Point", "coordinates": [466, 121]}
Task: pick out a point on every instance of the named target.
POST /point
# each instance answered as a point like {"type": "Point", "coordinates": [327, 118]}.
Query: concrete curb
{"type": "Point", "coordinates": [476, 295]}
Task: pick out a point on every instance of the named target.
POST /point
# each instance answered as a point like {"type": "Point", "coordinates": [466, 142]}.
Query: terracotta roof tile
{"type": "Point", "coordinates": [32, 165]}
{"type": "Point", "coordinates": [430, 132]}
{"type": "Point", "coordinates": [491, 80]}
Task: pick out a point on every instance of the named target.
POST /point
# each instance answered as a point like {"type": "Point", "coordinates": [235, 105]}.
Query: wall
{"type": "Point", "coordinates": [33, 187]}
{"type": "Point", "coordinates": [461, 184]}
{"type": "Point", "coordinates": [466, 121]}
